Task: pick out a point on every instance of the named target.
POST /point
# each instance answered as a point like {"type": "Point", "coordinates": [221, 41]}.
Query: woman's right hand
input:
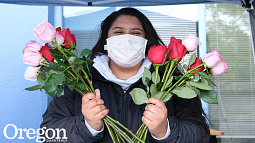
{"type": "Point", "coordinates": [93, 109]}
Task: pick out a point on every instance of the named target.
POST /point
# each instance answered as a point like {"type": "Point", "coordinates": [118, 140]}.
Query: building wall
{"type": "Point", "coordinates": [19, 107]}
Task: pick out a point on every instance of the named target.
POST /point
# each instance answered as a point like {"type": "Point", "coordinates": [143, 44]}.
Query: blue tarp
{"type": "Point", "coordinates": [113, 3]}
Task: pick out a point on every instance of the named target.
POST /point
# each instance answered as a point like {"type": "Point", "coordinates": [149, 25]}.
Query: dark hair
{"type": "Point", "coordinates": [151, 34]}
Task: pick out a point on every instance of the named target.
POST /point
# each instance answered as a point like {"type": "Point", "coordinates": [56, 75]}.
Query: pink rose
{"type": "Point", "coordinates": [220, 68]}
{"type": "Point", "coordinates": [191, 42]}
{"type": "Point", "coordinates": [31, 73]}
{"type": "Point", "coordinates": [31, 53]}
{"type": "Point", "coordinates": [157, 54]}
{"type": "Point", "coordinates": [45, 32]}
{"type": "Point", "coordinates": [211, 59]}
{"type": "Point", "coordinates": [59, 38]}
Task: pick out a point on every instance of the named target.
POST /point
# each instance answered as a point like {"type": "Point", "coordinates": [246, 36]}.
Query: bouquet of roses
{"type": "Point", "coordinates": [55, 65]}
{"type": "Point", "coordinates": [192, 83]}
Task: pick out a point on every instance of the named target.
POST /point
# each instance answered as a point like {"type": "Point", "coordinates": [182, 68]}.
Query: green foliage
{"type": "Point", "coordinates": [41, 79]}
{"type": "Point", "coordinates": [53, 81]}
{"type": "Point", "coordinates": [169, 82]}
{"type": "Point", "coordinates": [33, 88]}
{"type": "Point", "coordinates": [153, 90]}
{"type": "Point", "coordinates": [196, 76]}
{"type": "Point", "coordinates": [85, 52]}
{"type": "Point", "coordinates": [208, 96]}
{"type": "Point", "coordinates": [55, 66]}
{"type": "Point", "coordinates": [192, 59]}
{"type": "Point", "coordinates": [184, 92]}
{"type": "Point", "coordinates": [139, 96]}
{"type": "Point", "coordinates": [201, 85]}
{"type": "Point", "coordinates": [153, 77]}
{"type": "Point", "coordinates": [60, 91]}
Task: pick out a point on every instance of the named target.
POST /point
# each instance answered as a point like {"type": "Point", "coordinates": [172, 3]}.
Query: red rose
{"type": "Point", "coordinates": [157, 54]}
{"type": "Point", "coordinates": [174, 40]}
{"type": "Point", "coordinates": [46, 53]}
{"type": "Point", "coordinates": [197, 63]}
{"type": "Point", "coordinates": [176, 49]}
{"type": "Point", "coordinates": [67, 36]}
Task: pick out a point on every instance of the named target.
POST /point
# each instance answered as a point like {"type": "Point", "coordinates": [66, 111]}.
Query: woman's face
{"type": "Point", "coordinates": [126, 24]}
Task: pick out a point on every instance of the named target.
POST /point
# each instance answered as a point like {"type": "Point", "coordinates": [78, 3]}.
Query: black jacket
{"type": "Point", "coordinates": [65, 112]}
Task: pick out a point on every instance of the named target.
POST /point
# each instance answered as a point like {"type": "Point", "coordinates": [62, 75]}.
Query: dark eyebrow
{"type": "Point", "coordinates": [117, 28]}
{"type": "Point", "coordinates": [137, 29]}
{"type": "Point", "coordinates": [122, 28]}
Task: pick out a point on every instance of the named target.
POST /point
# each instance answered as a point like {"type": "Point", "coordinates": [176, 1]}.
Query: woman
{"type": "Point", "coordinates": [118, 69]}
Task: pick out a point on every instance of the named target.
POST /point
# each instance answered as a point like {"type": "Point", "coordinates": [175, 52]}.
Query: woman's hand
{"type": "Point", "coordinates": [93, 109]}
{"type": "Point", "coordinates": [155, 117]}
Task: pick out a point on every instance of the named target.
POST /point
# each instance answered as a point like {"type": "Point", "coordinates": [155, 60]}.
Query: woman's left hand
{"type": "Point", "coordinates": [155, 117]}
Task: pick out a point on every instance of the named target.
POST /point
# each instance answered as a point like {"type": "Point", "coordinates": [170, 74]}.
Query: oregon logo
{"type": "Point", "coordinates": [37, 134]}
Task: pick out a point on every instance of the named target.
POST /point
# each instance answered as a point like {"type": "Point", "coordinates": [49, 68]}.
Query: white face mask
{"type": "Point", "coordinates": [126, 50]}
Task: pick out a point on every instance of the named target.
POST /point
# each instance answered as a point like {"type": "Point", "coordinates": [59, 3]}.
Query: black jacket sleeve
{"type": "Point", "coordinates": [60, 115]}
{"type": "Point", "coordinates": [187, 125]}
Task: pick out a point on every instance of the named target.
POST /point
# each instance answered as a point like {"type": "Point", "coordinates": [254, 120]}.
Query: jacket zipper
{"type": "Point", "coordinates": [124, 108]}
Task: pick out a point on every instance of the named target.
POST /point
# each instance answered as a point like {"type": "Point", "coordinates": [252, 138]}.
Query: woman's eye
{"type": "Point", "coordinates": [118, 32]}
{"type": "Point", "coordinates": [136, 33]}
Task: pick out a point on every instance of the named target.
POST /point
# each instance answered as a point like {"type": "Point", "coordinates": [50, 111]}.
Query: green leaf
{"type": "Point", "coordinates": [196, 76]}
{"type": "Point", "coordinates": [185, 92]}
{"type": "Point", "coordinates": [41, 79]}
{"type": "Point", "coordinates": [201, 85]}
{"type": "Point", "coordinates": [185, 67]}
{"type": "Point", "coordinates": [56, 53]}
{"type": "Point", "coordinates": [203, 80]}
{"type": "Point", "coordinates": [60, 91]}
{"type": "Point", "coordinates": [73, 59]}
{"type": "Point", "coordinates": [90, 63]}
{"type": "Point", "coordinates": [204, 75]}
{"type": "Point", "coordinates": [159, 95]}
{"type": "Point", "coordinates": [139, 96]}
{"type": "Point", "coordinates": [153, 77]}
{"type": "Point", "coordinates": [51, 94]}
{"type": "Point", "coordinates": [73, 82]}
{"type": "Point", "coordinates": [192, 59]}
{"type": "Point", "coordinates": [208, 96]}
{"type": "Point", "coordinates": [169, 82]}
{"type": "Point", "coordinates": [80, 62]}
{"type": "Point", "coordinates": [146, 73]}
{"type": "Point", "coordinates": [53, 81]}
{"type": "Point", "coordinates": [55, 66]}
{"type": "Point", "coordinates": [33, 88]}
{"type": "Point", "coordinates": [211, 82]}
{"type": "Point", "coordinates": [153, 90]}
{"type": "Point", "coordinates": [191, 87]}
{"type": "Point", "coordinates": [60, 62]}
{"type": "Point", "coordinates": [81, 85]}
{"type": "Point", "coordinates": [85, 52]}
{"type": "Point", "coordinates": [167, 97]}
{"type": "Point", "coordinates": [160, 84]}
{"type": "Point", "coordinates": [71, 87]}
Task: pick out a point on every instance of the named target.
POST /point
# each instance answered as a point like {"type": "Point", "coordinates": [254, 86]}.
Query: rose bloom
{"type": "Point", "coordinates": [176, 49]}
{"type": "Point", "coordinates": [68, 37]}
{"type": "Point", "coordinates": [211, 59]}
{"type": "Point", "coordinates": [31, 53]}
{"type": "Point", "coordinates": [45, 32]}
{"type": "Point", "coordinates": [46, 53]}
{"type": "Point", "coordinates": [191, 42]}
{"type": "Point", "coordinates": [31, 73]}
{"type": "Point", "coordinates": [220, 68]}
{"type": "Point", "coordinates": [157, 54]}
{"type": "Point", "coordinates": [194, 65]}
{"type": "Point", "coordinates": [59, 38]}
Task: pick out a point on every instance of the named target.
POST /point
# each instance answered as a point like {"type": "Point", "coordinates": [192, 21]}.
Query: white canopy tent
{"type": "Point", "coordinates": [116, 3]}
